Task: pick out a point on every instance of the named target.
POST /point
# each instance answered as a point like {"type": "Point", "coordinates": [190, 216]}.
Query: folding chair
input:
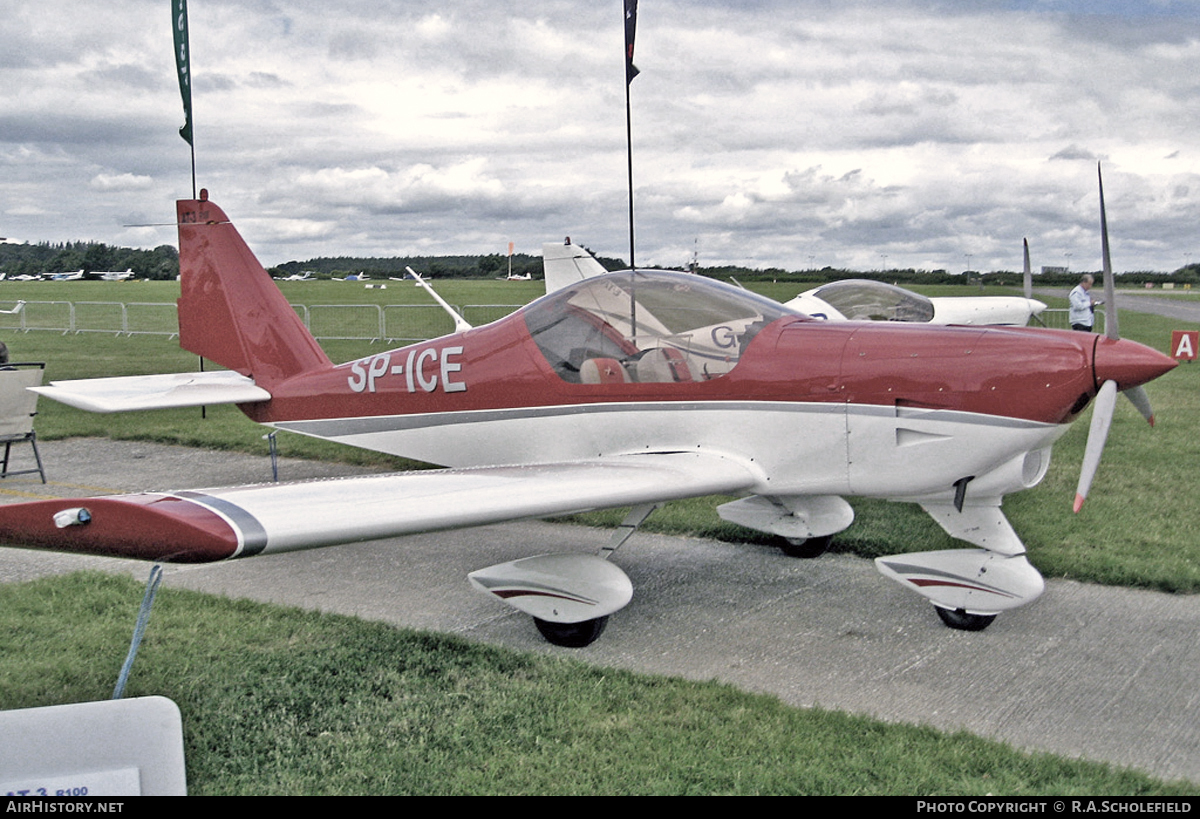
{"type": "Point", "coordinates": [17, 407]}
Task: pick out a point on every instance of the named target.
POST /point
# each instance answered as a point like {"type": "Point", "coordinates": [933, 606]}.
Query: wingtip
{"type": "Point", "coordinates": [1078, 503]}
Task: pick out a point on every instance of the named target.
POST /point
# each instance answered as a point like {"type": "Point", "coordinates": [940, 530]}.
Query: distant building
{"type": "Point", "coordinates": [1050, 270]}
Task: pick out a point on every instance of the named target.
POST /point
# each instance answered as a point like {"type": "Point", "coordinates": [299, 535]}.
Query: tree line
{"type": "Point", "coordinates": [46, 258]}
{"type": "Point", "coordinates": [162, 263]}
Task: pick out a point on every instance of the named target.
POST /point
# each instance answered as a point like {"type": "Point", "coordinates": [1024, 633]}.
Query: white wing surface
{"type": "Point", "coordinates": [216, 524]}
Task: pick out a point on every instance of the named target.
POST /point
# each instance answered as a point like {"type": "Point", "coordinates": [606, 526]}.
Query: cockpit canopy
{"type": "Point", "coordinates": [864, 300]}
{"type": "Point", "coordinates": [647, 326]}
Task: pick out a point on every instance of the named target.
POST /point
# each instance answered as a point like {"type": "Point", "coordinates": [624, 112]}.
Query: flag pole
{"type": "Point", "coordinates": [630, 72]}
{"type": "Point", "coordinates": [629, 157]}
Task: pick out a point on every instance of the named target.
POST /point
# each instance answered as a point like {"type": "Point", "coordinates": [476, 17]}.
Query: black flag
{"type": "Point", "coordinates": [630, 30]}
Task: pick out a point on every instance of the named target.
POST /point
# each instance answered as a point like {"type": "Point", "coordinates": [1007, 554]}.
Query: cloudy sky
{"type": "Point", "coordinates": [791, 133]}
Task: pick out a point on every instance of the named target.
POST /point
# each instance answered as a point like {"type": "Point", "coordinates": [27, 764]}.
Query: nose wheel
{"type": "Point", "coordinates": [963, 620]}
{"type": "Point", "coordinates": [572, 635]}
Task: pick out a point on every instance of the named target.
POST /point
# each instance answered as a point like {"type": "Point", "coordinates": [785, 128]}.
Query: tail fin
{"type": "Point", "coordinates": [566, 264]}
{"type": "Point", "coordinates": [230, 310]}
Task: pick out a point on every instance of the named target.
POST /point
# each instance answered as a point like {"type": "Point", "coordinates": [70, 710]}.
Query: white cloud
{"type": "Point", "coordinates": [765, 133]}
{"type": "Point", "coordinates": [111, 183]}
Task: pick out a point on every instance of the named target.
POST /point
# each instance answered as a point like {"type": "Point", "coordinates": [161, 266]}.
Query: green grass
{"type": "Point", "coordinates": [282, 701]}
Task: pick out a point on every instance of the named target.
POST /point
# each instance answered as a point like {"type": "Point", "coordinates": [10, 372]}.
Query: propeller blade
{"type": "Point", "coordinates": [1028, 273]}
{"type": "Point", "coordinates": [1111, 327]}
{"type": "Point", "coordinates": [1102, 415]}
{"type": "Point", "coordinates": [1138, 397]}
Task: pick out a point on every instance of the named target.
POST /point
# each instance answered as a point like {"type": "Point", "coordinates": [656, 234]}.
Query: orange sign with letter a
{"type": "Point", "coordinates": [1184, 344]}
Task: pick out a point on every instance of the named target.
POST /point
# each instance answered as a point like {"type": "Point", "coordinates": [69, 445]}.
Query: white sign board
{"type": "Point", "coordinates": [130, 747]}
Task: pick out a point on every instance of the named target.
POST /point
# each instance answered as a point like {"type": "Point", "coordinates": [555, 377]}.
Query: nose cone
{"type": "Point", "coordinates": [1128, 363]}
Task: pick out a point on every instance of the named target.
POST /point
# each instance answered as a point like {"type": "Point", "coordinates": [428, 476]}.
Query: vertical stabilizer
{"type": "Point", "coordinates": [230, 310]}
{"type": "Point", "coordinates": [566, 264]}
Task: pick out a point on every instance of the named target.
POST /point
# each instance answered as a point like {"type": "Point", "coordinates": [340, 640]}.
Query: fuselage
{"type": "Point", "coordinates": [857, 407]}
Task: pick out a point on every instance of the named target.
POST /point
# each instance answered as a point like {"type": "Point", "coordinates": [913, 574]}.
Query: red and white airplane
{"type": "Point", "coordinates": [629, 389]}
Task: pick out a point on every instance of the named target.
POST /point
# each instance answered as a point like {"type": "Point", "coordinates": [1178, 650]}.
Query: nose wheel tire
{"type": "Point", "coordinates": [572, 635]}
{"type": "Point", "coordinates": [963, 620]}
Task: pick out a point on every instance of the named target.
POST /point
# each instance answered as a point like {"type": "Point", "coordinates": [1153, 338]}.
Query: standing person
{"type": "Point", "coordinates": [1083, 307]}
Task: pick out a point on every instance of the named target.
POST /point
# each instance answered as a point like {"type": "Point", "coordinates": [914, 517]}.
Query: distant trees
{"type": "Point", "coordinates": [36, 259]}
{"type": "Point", "coordinates": [163, 263]}
{"type": "Point", "coordinates": [442, 267]}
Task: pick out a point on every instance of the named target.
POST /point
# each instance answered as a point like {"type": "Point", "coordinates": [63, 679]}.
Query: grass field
{"type": "Point", "coordinates": [279, 701]}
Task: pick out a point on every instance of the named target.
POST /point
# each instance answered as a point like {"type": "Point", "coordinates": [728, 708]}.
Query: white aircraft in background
{"type": "Point", "coordinates": [110, 275]}
{"type": "Point", "coordinates": [296, 277]}
{"type": "Point", "coordinates": [516, 277]}
{"type": "Point", "coordinates": [65, 277]}
{"type": "Point", "coordinates": [848, 300]}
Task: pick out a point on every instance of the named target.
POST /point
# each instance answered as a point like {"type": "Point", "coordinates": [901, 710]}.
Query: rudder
{"type": "Point", "coordinates": [230, 310]}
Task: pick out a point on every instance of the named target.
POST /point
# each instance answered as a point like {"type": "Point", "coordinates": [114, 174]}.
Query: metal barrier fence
{"type": "Point", "coordinates": [1056, 318]}
{"type": "Point", "coordinates": [360, 322]}
{"type": "Point", "coordinates": [364, 322]}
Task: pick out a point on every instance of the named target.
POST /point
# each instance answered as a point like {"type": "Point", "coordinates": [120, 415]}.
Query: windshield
{"type": "Point", "coordinates": [863, 300]}
{"type": "Point", "coordinates": [647, 326]}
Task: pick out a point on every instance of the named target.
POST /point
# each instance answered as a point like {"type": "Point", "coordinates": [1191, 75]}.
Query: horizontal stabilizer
{"type": "Point", "coordinates": [216, 524]}
{"type": "Point", "coordinates": [148, 392]}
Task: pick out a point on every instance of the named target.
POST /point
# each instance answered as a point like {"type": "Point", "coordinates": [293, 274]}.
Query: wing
{"type": "Point", "coordinates": [145, 392]}
{"type": "Point", "coordinates": [218, 524]}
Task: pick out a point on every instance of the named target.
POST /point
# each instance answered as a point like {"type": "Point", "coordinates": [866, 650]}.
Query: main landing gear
{"type": "Point", "coordinates": [569, 596]}
{"type": "Point", "coordinates": [586, 632]}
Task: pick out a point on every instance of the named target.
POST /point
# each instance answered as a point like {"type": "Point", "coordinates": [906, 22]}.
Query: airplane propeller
{"type": "Point", "coordinates": [1029, 284]}
{"type": "Point", "coordinates": [1106, 397]}
{"type": "Point", "coordinates": [1028, 273]}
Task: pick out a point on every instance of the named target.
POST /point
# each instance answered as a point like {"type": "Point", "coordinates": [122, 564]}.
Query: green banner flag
{"type": "Point", "coordinates": [631, 70]}
{"type": "Point", "coordinates": [183, 64]}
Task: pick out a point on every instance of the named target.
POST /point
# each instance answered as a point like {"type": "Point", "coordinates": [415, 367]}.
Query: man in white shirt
{"type": "Point", "coordinates": [1083, 306]}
